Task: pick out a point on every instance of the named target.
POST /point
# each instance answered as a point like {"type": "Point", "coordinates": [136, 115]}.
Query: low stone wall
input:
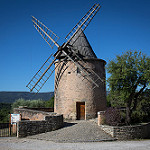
{"type": "Point", "coordinates": [128, 132]}
{"type": "Point", "coordinates": [29, 114]}
{"type": "Point", "coordinates": [49, 109]}
{"type": "Point", "coordinates": [35, 121]}
{"type": "Point", "coordinates": [27, 127]}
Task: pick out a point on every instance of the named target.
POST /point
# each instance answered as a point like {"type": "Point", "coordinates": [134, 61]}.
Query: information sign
{"type": "Point", "coordinates": [15, 118]}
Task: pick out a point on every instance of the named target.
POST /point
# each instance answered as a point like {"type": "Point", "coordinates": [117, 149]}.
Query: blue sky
{"type": "Point", "coordinates": [119, 25]}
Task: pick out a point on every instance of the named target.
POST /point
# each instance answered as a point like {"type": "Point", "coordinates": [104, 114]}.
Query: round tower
{"type": "Point", "coordinates": [76, 96]}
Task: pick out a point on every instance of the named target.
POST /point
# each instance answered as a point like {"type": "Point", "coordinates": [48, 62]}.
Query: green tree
{"type": "Point", "coordinates": [50, 103]}
{"type": "Point", "coordinates": [28, 103]}
{"type": "Point", "coordinates": [129, 78]}
{"type": "Point", "coordinates": [4, 115]}
{"type": "Point", "coordinates": [5, 110]}
{"type": "Point", "coordinates": [142, 113]}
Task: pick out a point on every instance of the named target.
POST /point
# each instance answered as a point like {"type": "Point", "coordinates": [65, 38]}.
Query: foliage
{"type": "Point", "coordinates": [5, 110]}
{"type": "Point", "coordinates": [129, 78]}
{"type": "Point", "coordinates": [4, 115]}
{"type": "Point", "coordinates": [28, 103]}
{"type": "Point", "coordinates": [112, 116]}
{"type": "Point", "coordinates": [5, 105]}
{"type": "Point", "coordinates": [115, 100]}
{"type": "Point", "coordinates": [142, 113]}
{"type": "Point", "coordinates": [50, 103]}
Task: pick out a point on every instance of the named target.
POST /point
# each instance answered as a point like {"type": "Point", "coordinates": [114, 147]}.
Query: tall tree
{"type": "Point", "coordinates": [129, 78]}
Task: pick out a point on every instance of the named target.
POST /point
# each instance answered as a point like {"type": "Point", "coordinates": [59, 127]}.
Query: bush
{"type": "Point", "coordinates": [50, 103]}
{"type": "Point", "coordinates": [28, 103]}
{"type": "Point", "coordinates": [4, 115]}
{"type": "Point", "coordinates": [5, 110]}
{"type": "Point", "coordinates": [112, 116]}
{"type": "Point", "coordinates": [142, 113]}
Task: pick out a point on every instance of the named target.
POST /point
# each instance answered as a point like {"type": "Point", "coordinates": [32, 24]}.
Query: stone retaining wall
{"type": "Point", "coordinates": [35, 121]}
{"type": "Point", "coordinates": [27, 127]}
{"type": "Point", "coordinates": [46, 109]}
{"type": "Point", "coordinates": [128, 132]}
{"type": "Point", "coordinates": [29, 114]}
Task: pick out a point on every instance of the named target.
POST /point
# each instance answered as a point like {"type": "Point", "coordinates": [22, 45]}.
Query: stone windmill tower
{"type": "Point", "coordinates": [80, 90]}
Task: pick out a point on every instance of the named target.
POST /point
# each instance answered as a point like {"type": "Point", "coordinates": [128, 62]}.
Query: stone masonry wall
{"type": "Point", "coordinates": [71, 87]}
{"type": "Point", "coordinates": [29, 114]}
{"type": "Point", "coordinates": [128, 132]}
{"type": "Point", "coordinates": [26, 127]}
{"type": "Point", "coordinates": [49, 109]}
{"type": "Point", "coordinates": [35, 122]}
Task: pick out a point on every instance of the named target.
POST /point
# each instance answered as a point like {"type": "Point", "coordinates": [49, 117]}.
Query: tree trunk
{"type": "Point", "coordinates": [132, 99]}
{"type": "Point", "coordinates": [128, 115]}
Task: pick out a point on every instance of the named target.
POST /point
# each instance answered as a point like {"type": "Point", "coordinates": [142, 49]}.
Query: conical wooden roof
{"type": "Point", "coordinates": [82, 45]}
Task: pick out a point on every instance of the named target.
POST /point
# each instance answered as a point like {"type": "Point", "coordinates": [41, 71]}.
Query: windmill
{"type": "Point", "coordinates": [72, 54]}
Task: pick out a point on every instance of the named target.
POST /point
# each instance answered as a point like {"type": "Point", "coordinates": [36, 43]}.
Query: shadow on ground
{"type": "Point", "coordinates": [68, 124]}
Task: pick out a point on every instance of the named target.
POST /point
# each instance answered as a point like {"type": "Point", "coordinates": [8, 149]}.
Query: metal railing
{"type": "Point", "coordinates": [6, 130]}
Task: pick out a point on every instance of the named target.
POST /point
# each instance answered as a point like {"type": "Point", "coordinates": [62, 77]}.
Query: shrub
{"type": "Point", "coordinates": [50, 103]}
{"type": "Point", "coordinates": [37, 103]}
{"type": "Point", "coordinates": [5, 110]}
{"type": "Point", "coordinates": [142, 113]}
{"type": "Point", "coordinates": [28, 103]}
{"type": "Point", "coordinates": [112, 116]}
{"type": "Point", "coordinates": [4, 115]}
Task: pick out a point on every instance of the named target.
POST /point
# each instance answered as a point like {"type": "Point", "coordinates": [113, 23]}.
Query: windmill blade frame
{"type": "Point", "coordinates": [83, 23]}
{"type": "Point", "coordinates": [49, 36]}
{"type": "Point", "coordinates": [43, 74]}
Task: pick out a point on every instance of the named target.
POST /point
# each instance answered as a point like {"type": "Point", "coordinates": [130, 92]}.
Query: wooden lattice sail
{"type": "Point", "coordinates": [75, 49]}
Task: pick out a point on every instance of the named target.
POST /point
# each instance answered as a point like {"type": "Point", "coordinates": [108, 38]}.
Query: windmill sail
{"type": "Point", "coordinates": [78, 41]}
{"type": "Point", "coordinates": [83, 23]}
{"type": "Point", "coordinates": [44, 73]}
{"type": "Point", "coordinates": [47, 69]}
{"type": "Point", "coordinates": [49, 36]}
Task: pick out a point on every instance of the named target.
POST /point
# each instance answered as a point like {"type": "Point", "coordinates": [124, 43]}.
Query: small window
{"type": "Point", "coordinates": [78, 70]}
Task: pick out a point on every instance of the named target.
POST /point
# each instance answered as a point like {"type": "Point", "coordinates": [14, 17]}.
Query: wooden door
{"type": "Point", "coordinates": [80, 110]}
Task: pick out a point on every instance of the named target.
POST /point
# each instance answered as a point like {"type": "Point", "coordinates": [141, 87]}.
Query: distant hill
{"type": "Point", "coordinates": [10, 97]}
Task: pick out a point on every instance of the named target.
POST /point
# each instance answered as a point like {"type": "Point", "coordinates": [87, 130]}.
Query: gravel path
{"type": "Point", "coordinates": [78, 131]}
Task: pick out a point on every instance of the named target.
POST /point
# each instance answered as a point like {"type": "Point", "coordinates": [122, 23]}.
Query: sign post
{"type": "Point", "coordinates": [10, 125]}
{"type": "Point", "coordinates": [14, 118]}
